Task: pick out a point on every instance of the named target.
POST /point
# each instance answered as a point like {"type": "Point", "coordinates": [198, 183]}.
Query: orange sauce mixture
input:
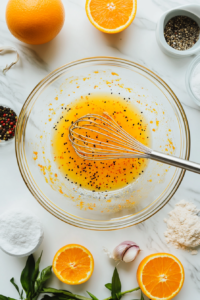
{"type": "Point", "coordinates": [99, 175]}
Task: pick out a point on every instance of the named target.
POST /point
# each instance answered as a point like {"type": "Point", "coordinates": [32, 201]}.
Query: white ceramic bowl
{"type": "Point", "coordinates": [192, 11]}
{"type": "Point", "coordinates": [189, 73]}
{"type": "Point", "coordinates": [14, 240]}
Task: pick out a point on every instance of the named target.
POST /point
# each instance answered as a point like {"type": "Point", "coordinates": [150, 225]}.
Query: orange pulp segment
{"type": "Point", "coordinates": [73, 264]}
{"type": "Point", "coordinates": [160, 276]}
{"type": "Point", "coordinates": [111, 16]}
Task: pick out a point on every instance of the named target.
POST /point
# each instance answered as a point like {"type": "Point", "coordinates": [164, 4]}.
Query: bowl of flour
{"type": "Point", "coordinates": [21, 232]}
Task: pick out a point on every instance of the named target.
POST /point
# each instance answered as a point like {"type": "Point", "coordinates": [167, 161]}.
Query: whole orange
{"type": "Point", "coordinates": [35, 21]}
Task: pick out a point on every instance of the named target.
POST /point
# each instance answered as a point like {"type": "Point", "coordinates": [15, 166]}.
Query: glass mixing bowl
{"type": "Point", "coordinates": [101, 210]}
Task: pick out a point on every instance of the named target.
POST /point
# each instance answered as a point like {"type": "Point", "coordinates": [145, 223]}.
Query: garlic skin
{"type": "Point", "coordinates": [126, 251]}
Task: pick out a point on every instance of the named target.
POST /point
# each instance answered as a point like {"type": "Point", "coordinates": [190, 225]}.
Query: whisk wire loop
{"type": "Point", "coordinates": [108, 141]}
{"type": "Point", "coordinates": [96, 137]}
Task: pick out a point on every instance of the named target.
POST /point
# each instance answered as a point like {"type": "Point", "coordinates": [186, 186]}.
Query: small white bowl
{"type": "Point", "coordinates": [192, 11]}
{"type": "Point", "coordinates": [188, 75]}
{"type": "Point", "coordinates": [4, 102]}
{"type": "Point", "coordinates": [13, 248]}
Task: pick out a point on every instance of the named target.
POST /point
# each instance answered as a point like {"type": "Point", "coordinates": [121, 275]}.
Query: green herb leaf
{"type": "Point", "coordinates": [92, 296]}
{"type": "Point", "coordinates": [6, 298]}
{"type": "Point", "coordinates": [57, 297]}
{"type": "Point", "coordinates": [16, 286]}
{"type": "Point", "coordinates": [68, 295]}
{"type": "Point", "coordinates": [142, 297]}
{"type": "Point", "coordinates": [116, 286]}
{"type": "Point", "coordinates": [36, 271]}
{"type": "Point", "coordinates": [27, 275]}
{"type": "Point", "coordinates": [3, 297]}
{"type": "Point", "coordinates": [108, 286]}
{"type": "Point", "coordinates": [37, 284]}
{"type": "Point", "coordinates": [45, 274]}
{"type": "Point", "coordinates": [47, 297]}
{"type": "Point", "coordinates": [54, 291]}
{"type": "Point", "coordinates": [41, 279]}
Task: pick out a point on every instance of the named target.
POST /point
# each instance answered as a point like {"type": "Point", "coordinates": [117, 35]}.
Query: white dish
{"type": "Point", "coordinates": [189, 73]}
{"type": "Point", "coordinates": [192, 11]}
{"type": "Point", "coordinates": [21, 232]}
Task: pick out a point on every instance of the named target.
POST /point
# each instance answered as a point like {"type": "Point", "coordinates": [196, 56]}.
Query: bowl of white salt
{"type": "Point", "coordinates": [21, 232]}
{"type": "Point", "coordinates": [193, 80]}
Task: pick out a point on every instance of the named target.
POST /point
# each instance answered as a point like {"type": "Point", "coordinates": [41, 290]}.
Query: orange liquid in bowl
{"type": "Point", "coordinates": [107, 175]}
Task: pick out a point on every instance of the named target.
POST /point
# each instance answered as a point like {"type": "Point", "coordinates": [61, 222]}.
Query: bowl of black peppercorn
{"type": "Point", "coordinates": [8, 121]}
{"type": "Point", "coordinates": [178, 31]}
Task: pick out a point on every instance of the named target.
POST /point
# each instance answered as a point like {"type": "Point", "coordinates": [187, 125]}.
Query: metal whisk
{"type": "Point", "coordinates": [96, 137]}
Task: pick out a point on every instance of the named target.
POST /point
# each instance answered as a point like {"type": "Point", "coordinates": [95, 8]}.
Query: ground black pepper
{"type": "Point", "coordinates": [181, 33]}
{"type": "Point", "coordinates": [8, 120]}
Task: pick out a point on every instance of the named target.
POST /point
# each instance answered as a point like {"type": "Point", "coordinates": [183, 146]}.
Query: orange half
{"type": "Point", "coordinates": [73, 264]}
{"type": "Point", "coordinates": [111, 16]}
{"type": "Point", "coordinates": [160, 276]}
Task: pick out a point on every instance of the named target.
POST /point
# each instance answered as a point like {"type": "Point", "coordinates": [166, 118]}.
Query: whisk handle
{"type": "Point", "coordinates": [175, 161]}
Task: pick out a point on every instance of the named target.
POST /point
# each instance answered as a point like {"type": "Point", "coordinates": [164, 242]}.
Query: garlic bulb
{"type": "Point", "coordinates": [126, 251]}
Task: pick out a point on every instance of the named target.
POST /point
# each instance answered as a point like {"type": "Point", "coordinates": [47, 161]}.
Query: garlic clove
{"type": "Point", "coordinates": [118, 252]}
{"type": "Point", "coordinates": [121, 252]}
{"type": "Point", "coordinates": [131, 253]}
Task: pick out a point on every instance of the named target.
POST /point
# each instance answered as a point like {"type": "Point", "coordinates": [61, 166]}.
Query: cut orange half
{"type": "Point", "coordinates": [160, 276]}
{"type": "Point", "coordinates": [111, 16]}
{"type": "Point", "coordinates": [73, 264]}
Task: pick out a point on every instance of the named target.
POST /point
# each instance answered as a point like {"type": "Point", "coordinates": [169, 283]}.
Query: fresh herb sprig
{"type": "Point", "coordinates": [32, 281]}
{"type": "Point", "coordinates": [114, 288]}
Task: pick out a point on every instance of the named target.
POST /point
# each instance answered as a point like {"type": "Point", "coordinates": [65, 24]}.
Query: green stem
{"type": "Point", "coordinates": [136, 289]}
{"type": "Point", "coordinates": [123, 293]}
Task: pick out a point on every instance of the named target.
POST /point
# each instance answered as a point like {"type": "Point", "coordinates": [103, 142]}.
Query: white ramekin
{"type": "Point", "coordinates": [192, 11]}
{"type": "Point", "coordinates": [26, 214]}
{"type": "Point", "coordinates": [188, 75]}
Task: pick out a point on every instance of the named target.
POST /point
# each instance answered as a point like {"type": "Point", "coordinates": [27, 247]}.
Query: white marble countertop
{"type": "Point", "coordinates": [79, 39]}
